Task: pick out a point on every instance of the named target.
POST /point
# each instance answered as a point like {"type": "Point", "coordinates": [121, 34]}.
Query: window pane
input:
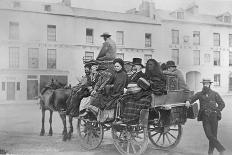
{"type": "Point", "coordinates": [14, 30]}
{"type": "Point", "coordinates": [216, 39]}
{"type": "Point", "coordinates": [89, 35]}
{"type": "Point", "coordinates": [51, 32]}
{"type": "Point", "coordinates": [230, 40]}
{"type": "Point", "coordinates": [3, 86]}
{"type": "Point", "coordinates": [147, 40]}
{"type": "Point", "coordinates": [120, 55]}
{"type": "Point", "coordinates": [119, 37]}
{"type": "Point", "coordinates": [89, 56]}
{"type": "Point", "coordinates": [18, 86]}
{"type": "Point", "coordinates": [217, 79]}
{"type": "Point", "coordinates": [227, 19]}
{"type": "Point", "coordinates": [175, 36]}
{"type": "Point", "coordinates": [196, 57]}
{"type": "Point", "coordinates": [51, 59]}
{"type": "Point", "coordinates": [175, 56]}
{"type": "Point", "coordinates": [180, 15]}
{"type": "Point", "coordinates": [216, 59]}
{"type": "Point", "coordinates": [33, 58]}
{"type": "Point", "coordinates": [196, 38]}
{"type": "Point", "coordinates": [230, 58]}
{"type": "Point", "coordinates": [14, 57]}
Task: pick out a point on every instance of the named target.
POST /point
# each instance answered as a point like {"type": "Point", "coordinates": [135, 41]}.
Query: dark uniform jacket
{"type": "Point", "coordinates": [209, 102]}
{"type": "Point", "coordinates": [134, 77]}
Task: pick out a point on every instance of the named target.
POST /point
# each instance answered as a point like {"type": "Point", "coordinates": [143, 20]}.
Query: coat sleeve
{"type": "Point", "coordinates": [220, 102]}
{"type": "Point", "coordinates": [194, 97]}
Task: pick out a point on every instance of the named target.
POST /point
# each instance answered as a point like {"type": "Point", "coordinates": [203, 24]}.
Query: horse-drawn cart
{"type": "Point", "coordinates": [161, 123]}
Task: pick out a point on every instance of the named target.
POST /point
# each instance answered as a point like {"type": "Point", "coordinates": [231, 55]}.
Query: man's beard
{"type": "Point", "coordinates": [205, 89]}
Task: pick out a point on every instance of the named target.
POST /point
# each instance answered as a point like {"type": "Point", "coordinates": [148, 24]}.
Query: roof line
{"type": "Point", "coordinates": [85, 17]}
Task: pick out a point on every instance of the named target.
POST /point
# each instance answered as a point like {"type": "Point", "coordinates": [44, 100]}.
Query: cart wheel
{"type": "Point", "coordinates": [165, 137]}
{"type": "Point", "coordinates": [90, 133]}
{"type": "Point", "coordinates": [130, 140]}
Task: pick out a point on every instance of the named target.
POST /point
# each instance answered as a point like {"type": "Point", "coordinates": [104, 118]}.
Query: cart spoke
{"type": "Point", "coordinates": [128, 147]}
{"type": "Point", "coordinates": [159, 137]}
{"type": "Point", "coordinates": [168, 138]}
{"type": "Point", "coordinates": [172, 135]}
{"type": "Point", "coordinates": [174, 129]}
{"type": "Point", "coordinates": [154, 134]}
{"type": "Point", "coordinates": [133, 148]}
{"type": "Point", "coordinates": [163, 138]}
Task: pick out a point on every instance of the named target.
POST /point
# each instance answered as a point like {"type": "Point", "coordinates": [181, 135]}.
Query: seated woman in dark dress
{"type": "Point", "coordinates": [142, 100]}
{"type": "Point", "coordinates": [116, 84]}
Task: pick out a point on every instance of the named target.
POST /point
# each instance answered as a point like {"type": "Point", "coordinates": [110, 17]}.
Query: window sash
{"type": "Point", "coordinates": [207, 58]}
{"type": "Point", "coordinates": [196, 38]}
{"type": "Point", "coordinates": [196, 57]}
{"type": "Point", "coordinates": [216, 39]}
{"type": "Point", "coordinates": [119, 37]}
{"type": "Point", "coordinates": [216, 58]}
{"type": "Point", "coordinates": [89, 55]}
{"type": "Point", "coordinates": [227, 19]}
{"type": "Point", "coordinates": [14, 30]}
{"type": "Point", "coordinates": [89, 35]}
{"type": "Point", "coordinates": [14, 57]}
{"type": "Point", "coordinates": [230, 40]}
{"type": "Point", "coordinates": [51, 32]}
{"type": "Point", "coordinates": [230, 58]}
{"type": "Point", "coordinates": [175, 56]}
{"type": "Point", "coordinates": [51, 59]}
{"type": "Point", "coordinates": [175, 36]}
{"type": "Point", "coordinates": [217, 79]}
{"type": "Point", "coordinates": [33, 58]}
{"type": "Point", "coordinates": [180, 15]}
{"type": "Point", "coordinates": [147, 40]}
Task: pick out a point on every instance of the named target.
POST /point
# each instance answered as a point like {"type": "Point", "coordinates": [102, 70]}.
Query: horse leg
{"type": "Point", "coordinates": [63, 117]}
{"type": "Point", "coordinates": [69, 136]}
{"type": "Point", "coordinates": [43, 117]}
{"type": "Point", "coordinates": [50, 123]}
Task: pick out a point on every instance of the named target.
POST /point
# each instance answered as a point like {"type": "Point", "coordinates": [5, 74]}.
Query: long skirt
{"type": "Point", "coordinates": [133, 106]}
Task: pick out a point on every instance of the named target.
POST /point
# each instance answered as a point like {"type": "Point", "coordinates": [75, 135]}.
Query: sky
{"type": "Point", "coordinates": [205, 6]}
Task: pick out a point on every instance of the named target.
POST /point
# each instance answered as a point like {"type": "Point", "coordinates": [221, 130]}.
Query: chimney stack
{"type": "Point", "coordinates": [67, 2]}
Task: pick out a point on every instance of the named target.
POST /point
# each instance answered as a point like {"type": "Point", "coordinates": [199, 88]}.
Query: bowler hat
{"type": "Point", "coordinates": [105, 34]}
{"type": "Point", "coordinates": [206, 81]}
{"type": "Point", "coordinates": [170, 64]}
{"type": "Point", "coordinates": [137, 61]}
{"type": "Point", "coordinates": [101, 67]}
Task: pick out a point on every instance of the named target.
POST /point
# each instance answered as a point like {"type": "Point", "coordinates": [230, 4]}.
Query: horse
{"type": "Point", "coordinates": [56, 100]}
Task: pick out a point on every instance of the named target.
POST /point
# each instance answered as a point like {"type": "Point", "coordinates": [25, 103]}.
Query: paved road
{"type": "Point", "coordinates": [20, 126]}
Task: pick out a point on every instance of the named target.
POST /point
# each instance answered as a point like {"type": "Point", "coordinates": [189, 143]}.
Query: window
{"type": "Point", "coordinates": [216, 39]}
{"type": "Point", "coordinates": [47, 8]}
{"type": "Point", "coordinates": [207, 58]}
{"type": "Point", "coordinates": [227, 19]}
{"type": "Point", "coordinates": [147, 57]}
{"type": "Point", "coordinates": [230, 82]}
{"type": "Point", "coordinates": [14, 30]}
{"type": "Point", "coordinates": [230, 58]}
{"type": "Point", "coordinates": [119, 37]}
{"type": "Point", "coordinates": [175, 56]}
{"type": "Point", "coordinates": [120, 55]}
{"type": "Point", "coordinates": [196, 37]}
{"type": "Point", "coordinates": [175, 36]}
{"type": "Point", "coordinates": [33, 58]}
{"type": "Point", "coordinates": [89, 35]}
{"type": "Point", "coordinates": [196, 57]}
{"type": "Point", "coordinates": [16, 4]}
{"type": "Point", "coordinates": [217, 79]}
{"type": "Point", "coordinates": [147, 40]}
{"type": "Point", "coordinates": [89, 55]}
{"type": "Point", "coordinates": [51, 32]}
{"type": "Point", "coordinates": [51, 59]}
{"type": "Point", "coordinates": [3, 86]}
{"type": "Point", "coordinates": [216, 58]}
{"type": "Point", "coordinates": [18, 86]}
{"type": "Point", "coordinates": [230, 40]}
{"type": "Point", "coordinates": [14, 57]}
{"type": "Point", "coordinates": [180, 15]}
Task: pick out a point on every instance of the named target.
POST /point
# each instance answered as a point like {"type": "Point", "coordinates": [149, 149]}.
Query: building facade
{"type": "Point", "coordinates": [42, 41]}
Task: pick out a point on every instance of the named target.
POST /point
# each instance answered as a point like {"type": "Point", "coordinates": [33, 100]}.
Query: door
{"type": "Point", "coordinates": [32, 89]}
{"type": "Point", "coordinates": [10, 91]}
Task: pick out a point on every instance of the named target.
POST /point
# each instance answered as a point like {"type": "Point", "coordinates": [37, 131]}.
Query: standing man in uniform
{"type": "Point", "coordinates": [108, 50]}
{"type": "Point", "coordinates": [211, 105]}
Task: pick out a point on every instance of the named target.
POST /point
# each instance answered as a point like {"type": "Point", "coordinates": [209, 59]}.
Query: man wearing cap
{"type": "Point", "coordinates": [211, 105]}
{"type": "Point", "coordinates": [174, 71]}
{"type": "Point", "coordinates": [108, 50]}
{"type": "Point", "coordinates": [137, 64]}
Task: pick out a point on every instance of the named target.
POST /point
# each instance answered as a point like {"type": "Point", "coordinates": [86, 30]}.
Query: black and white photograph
{"type": "Point", "coordinates": [116, 77]}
